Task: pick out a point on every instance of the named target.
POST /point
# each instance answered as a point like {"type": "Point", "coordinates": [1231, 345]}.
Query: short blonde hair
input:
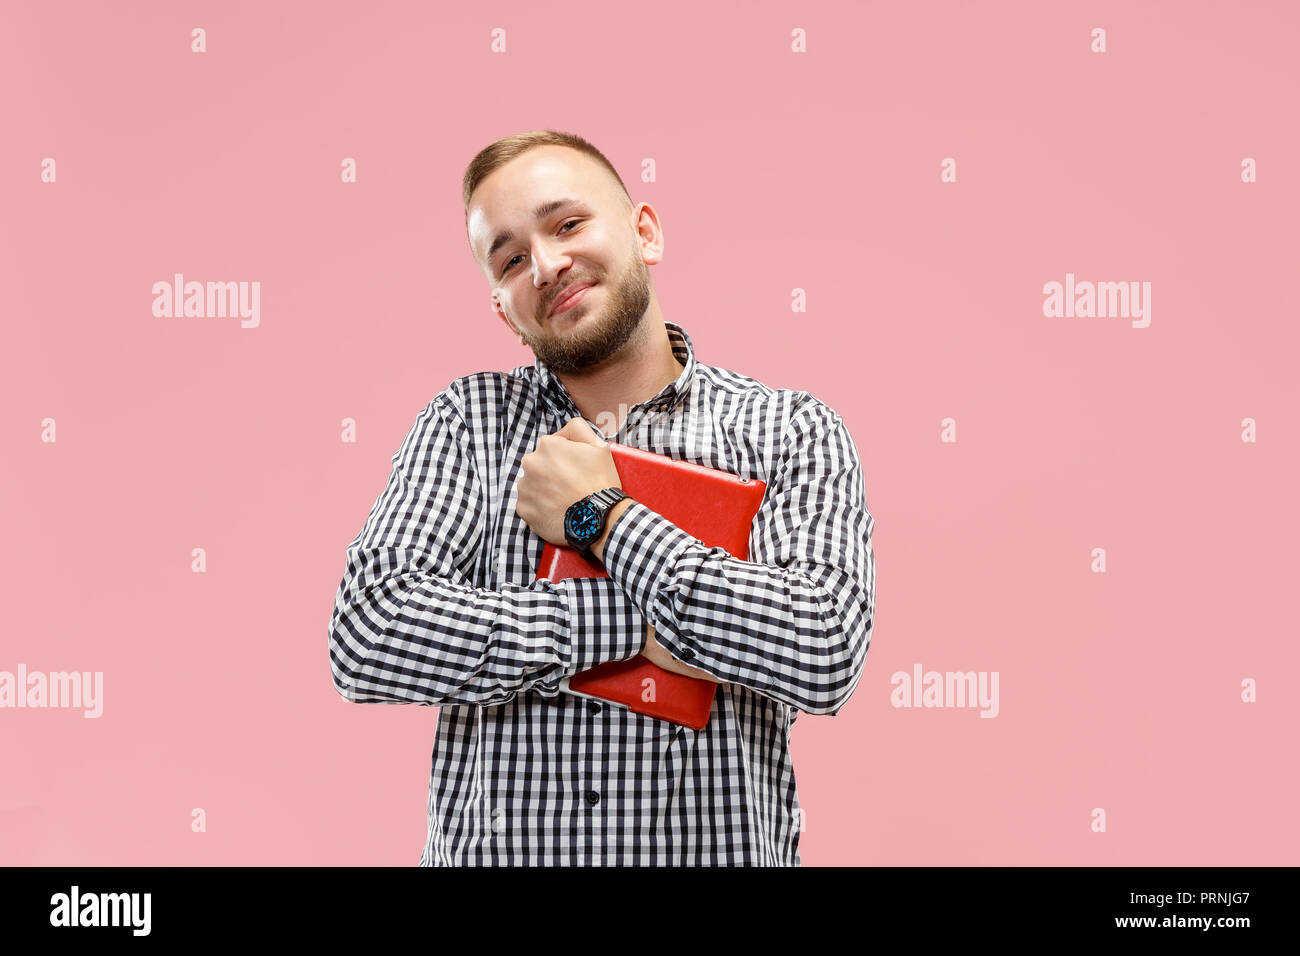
{"type": "Point", "coordinates": [503, 151]}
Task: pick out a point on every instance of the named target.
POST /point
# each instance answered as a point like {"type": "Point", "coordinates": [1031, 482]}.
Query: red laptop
{"type": "Point", "coordinates": [713, 506]}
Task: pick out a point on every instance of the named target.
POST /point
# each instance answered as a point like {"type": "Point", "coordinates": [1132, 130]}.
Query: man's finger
{"type": "Point", "coordinates": [579, 429]}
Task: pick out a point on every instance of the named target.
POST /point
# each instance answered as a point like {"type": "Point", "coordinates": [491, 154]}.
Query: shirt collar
{"type": "Point", "coordinates": [668, 396]}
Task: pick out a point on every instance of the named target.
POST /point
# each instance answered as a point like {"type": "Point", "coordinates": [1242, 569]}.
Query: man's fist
{"type": "Point", "coordinates": [565, 467]}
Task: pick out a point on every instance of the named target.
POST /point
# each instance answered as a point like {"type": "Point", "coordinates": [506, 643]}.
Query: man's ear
{"type": "Point", "coordinates": [496, 308]}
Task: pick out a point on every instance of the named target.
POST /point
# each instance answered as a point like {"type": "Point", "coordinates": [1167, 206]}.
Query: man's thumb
{"type": "Point", "coordinates": [579, 429]}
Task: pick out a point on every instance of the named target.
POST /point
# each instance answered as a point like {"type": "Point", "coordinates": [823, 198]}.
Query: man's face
{"type": "Point", "coordinates": [589, 239]}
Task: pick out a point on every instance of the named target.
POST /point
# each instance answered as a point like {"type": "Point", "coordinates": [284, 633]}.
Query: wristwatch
{"type": "Point", "coordinates": [584, 521]}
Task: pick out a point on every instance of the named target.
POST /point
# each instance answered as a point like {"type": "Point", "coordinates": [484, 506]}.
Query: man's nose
{"type": "Point", "coordinates": [545, 268]}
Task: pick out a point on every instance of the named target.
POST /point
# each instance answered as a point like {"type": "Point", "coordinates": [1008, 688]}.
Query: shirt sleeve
{"type": "Point", "coordinates": [792, 623]}
{"type": "Point", "coordinates": [408, 626]}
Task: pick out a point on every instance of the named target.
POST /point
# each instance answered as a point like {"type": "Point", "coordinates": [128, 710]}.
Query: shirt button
{"type": "Point", "coordinates": [593, 797]}
{"type": "Point", "coordinates": [687, 654]}
{"type": "Point", "coordinates": [593, 707]}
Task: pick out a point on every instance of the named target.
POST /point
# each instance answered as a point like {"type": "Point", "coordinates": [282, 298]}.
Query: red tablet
{"type": "Point", "coordinates": [713, 506]}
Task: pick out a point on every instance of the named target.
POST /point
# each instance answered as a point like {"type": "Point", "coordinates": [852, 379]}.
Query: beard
{"type": "Point", "coordinates": [598, 336]}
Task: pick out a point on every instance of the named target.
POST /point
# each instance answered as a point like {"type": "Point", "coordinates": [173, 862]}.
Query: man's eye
{"type": "Point", "coordinates": [511, 263]}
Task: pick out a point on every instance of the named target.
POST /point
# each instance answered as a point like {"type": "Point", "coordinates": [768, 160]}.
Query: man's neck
{"type": "Point", "coordinates": [639, 372]}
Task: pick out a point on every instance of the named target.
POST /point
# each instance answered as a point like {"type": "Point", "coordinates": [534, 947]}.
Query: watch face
{"type": "Point", "coordinates": [582, 522]}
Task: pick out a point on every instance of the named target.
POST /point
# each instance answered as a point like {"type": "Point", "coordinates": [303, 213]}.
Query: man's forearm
{"type": "Point", "coordinates": [797, 633]}
{"type": "Point", "coordinates": [654, 651]}
{"type": "Point", "coordinates": [598, 548]}
{"type": "Point", "coordinates": [412, 637]}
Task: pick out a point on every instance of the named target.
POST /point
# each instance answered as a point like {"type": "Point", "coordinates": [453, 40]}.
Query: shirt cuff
{"type": "Point", "coordinates": [603, 624]}
{"type": "Point", "coordinates": [639, 554]}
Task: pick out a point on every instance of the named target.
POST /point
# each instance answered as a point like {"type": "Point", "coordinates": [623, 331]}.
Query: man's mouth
{"type": "Point", "coordinates": [570, 296]}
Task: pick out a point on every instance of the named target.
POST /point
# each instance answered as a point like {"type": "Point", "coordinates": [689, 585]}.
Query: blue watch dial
{"type": "Point", "coordinates": [583, 522]}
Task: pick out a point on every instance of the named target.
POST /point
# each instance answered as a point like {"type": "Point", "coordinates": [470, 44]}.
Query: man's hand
{"type": "Point", "coordinates": [656, 654]}
{"type": "Point", "coordinates": [565, 467]}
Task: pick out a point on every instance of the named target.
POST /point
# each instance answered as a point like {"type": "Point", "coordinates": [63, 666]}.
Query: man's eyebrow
{"type": "Point", "coordinates": [540, 213]}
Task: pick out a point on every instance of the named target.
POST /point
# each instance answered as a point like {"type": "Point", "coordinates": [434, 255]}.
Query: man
{"type": "Point", "coordinates": [439, 606]}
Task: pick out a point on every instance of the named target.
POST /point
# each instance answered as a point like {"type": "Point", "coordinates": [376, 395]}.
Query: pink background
{"type": "Point", "coordinates": [776, 171]}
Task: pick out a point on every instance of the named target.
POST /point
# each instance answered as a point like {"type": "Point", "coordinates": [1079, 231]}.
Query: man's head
{"type": "Point", "coordinates": [589, 232]}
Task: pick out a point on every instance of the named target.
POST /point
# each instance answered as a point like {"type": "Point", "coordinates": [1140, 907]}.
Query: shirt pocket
{"type": "Point", "coordinates": [674, 745]}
